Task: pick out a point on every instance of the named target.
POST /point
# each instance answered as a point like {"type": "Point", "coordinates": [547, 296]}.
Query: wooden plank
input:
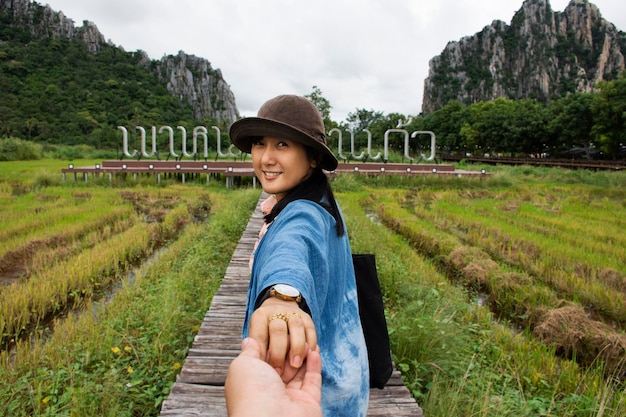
{"type": "Point", "coordinates": [199, 387]}
{"type": "Point", "coordinates": [195, 400]}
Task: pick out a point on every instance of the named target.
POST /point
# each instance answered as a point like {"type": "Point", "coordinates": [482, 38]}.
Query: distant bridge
{"type": "Point", "coordinates": [594, 164]}
{"type": "Point", "coordinates": [233, 169]}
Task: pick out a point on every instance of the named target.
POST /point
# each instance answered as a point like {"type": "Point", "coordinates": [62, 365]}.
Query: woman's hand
{"type": "Point", "coordinates": [285, 333]}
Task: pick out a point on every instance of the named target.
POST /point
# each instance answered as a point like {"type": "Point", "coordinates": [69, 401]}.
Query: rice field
{"type": "Point", "coordinates": [62, 246]}
{"type": "Point", "coordinates": [532, 253]}
{"type": "Point", "coordinates": [505, 296]}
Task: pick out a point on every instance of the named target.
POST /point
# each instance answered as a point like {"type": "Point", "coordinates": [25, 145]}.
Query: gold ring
{"type": "Point", "coordinates": [295, 314]}
{"type": "Point", "coordinates": [281, 316]}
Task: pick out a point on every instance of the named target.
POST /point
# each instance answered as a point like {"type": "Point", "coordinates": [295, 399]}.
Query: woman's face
{"type": "Point", "coordinates": [280, 164]}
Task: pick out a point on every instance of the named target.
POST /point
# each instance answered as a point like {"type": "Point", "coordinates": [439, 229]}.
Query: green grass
{"type": "Point", "coordinates": [455, 357]}
{"type": "Point", "coordinates": [120, 357]}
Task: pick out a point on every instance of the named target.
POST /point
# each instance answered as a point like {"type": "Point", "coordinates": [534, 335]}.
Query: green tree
{"type": "Point", "coordinates": [323, 105]}
{"type": "Point", "coordinates": [569, 123]}
{"type": "Point", "coordinates": [528, 127]}
{"type": "Point", "coordinates": [504, 126]}
{"type": "Point", "coordinates": [363, 119]}
{"type": "Point", "coordinates": [609, 114]}
{"type": "Point", "coordinates": [447, 124]}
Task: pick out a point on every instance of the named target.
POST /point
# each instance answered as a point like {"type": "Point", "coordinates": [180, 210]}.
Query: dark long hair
{"type": "Point", "coordinates": [316, 188]}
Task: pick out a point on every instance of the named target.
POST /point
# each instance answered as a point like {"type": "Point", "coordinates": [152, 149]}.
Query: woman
{"type": "Point", "coordinates": [302, 288]}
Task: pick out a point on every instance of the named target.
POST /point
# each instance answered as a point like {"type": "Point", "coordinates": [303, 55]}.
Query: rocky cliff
{"type": "Point", "coordinates": [42, 21]}
{"type": "Point", "coordinates": [192, 79]}
{"type": "Point", "coordinates": [541, 55]}
{"type": "Point", "coordinates": [189, 78]}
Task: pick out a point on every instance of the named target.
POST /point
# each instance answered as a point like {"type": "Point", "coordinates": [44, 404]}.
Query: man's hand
{"type": "Point", "coordinates": [254, 389]}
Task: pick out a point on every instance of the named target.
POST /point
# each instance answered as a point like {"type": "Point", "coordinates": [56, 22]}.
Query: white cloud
{"type": "Point", "coordinates": [370, 54]}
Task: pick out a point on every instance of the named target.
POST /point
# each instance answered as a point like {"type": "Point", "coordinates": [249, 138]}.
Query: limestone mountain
{"type": "Point", "coordinates": [540, 55]}
{"type": "Point", "coordinates": [206, 91]}
{"type": "Point", "coordinates": [190, 79]}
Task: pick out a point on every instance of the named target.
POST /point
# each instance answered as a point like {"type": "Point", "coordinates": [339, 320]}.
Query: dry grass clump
{"type": "Point", "coordinates": [613, 279]}
{"type": "Point", "coordinates": [473, 266]}
{"type": "Point", "coordinates": [575, 334]}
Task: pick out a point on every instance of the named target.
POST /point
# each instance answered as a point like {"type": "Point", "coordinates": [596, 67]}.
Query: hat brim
{"type": "Point", "coordinates": [245, 130]}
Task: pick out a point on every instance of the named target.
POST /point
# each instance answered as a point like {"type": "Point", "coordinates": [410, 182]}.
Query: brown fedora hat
{"type": "Point", "coordinates": [288, 117]}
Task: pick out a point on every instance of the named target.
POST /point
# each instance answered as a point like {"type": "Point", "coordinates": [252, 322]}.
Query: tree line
{"type": "Point", "coordinates": [588, 125]}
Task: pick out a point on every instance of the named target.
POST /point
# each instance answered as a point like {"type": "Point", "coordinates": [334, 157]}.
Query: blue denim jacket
{"type": "Point", "coordinates": [301, 248]}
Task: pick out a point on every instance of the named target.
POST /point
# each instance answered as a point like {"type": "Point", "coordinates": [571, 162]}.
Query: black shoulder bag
{"type": "Point", "coordinates": [373, 321]}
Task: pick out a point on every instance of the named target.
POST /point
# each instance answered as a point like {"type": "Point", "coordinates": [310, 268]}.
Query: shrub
{"type": "Point", "coordinates": [14, 149]}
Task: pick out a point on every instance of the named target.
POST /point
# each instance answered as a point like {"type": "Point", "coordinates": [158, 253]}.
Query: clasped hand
{"type": "Point", "coordinates": [253, 389]}
{"type": "Point", "coordinates": [285, 333]}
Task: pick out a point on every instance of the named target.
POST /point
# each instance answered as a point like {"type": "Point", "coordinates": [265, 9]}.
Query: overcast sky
{"type": "Point", "coordinates": [367, 54]}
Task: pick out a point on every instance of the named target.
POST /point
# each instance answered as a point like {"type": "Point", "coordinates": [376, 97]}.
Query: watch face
{"type": "Point", "coordinates": [286, 290]}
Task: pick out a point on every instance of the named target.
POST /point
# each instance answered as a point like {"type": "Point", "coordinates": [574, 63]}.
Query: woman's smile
{"type": "Point", "coordinates": [280, 164]}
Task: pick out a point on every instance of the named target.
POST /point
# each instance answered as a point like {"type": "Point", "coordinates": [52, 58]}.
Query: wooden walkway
{"type": "Point", "coordinates": [199, 388]}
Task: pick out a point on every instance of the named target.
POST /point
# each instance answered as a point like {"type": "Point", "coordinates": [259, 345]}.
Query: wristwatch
{"type": "Point", "coordinates": [285, 292]}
